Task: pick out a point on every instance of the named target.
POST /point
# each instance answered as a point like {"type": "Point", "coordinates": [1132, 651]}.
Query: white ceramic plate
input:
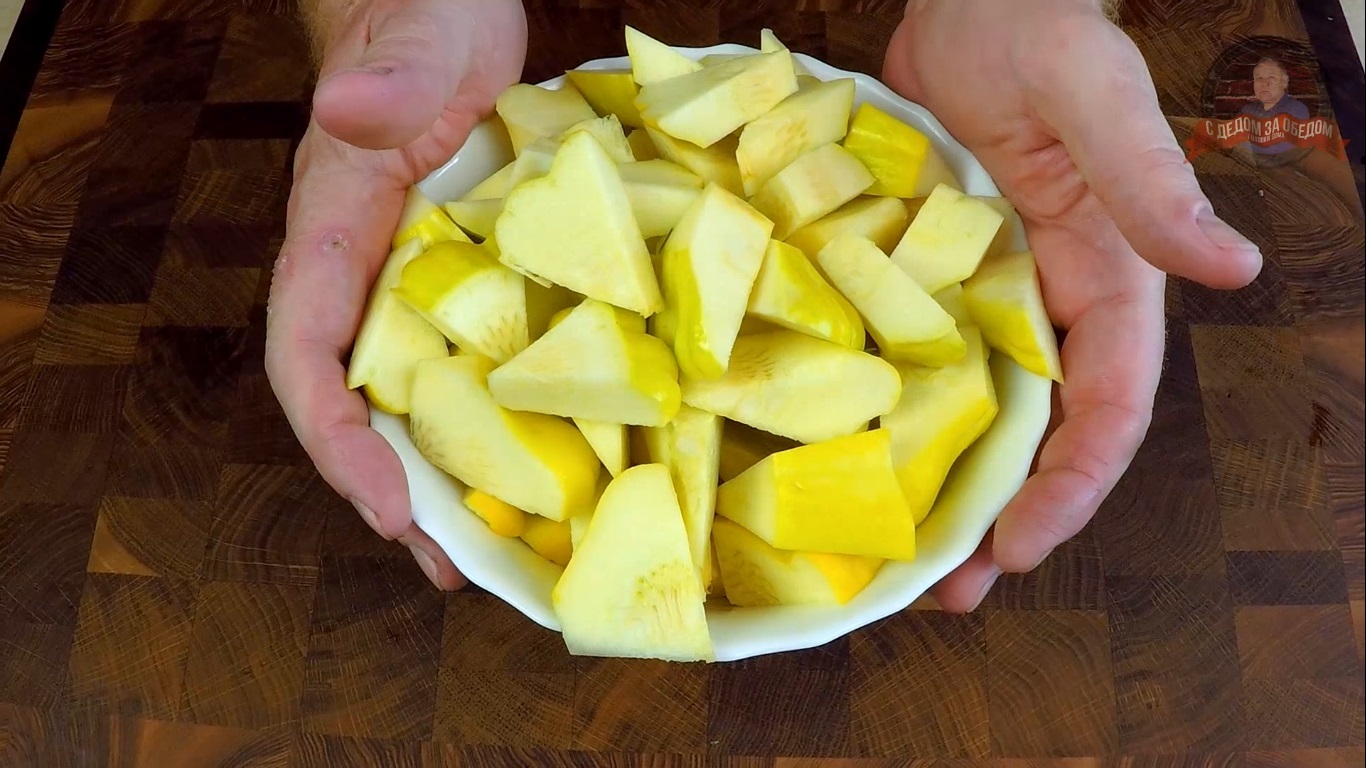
{"type": "Point", "coordinates": [983, 480]}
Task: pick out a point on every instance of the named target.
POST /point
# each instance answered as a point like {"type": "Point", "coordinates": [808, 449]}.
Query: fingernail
{"type": "Point", "coordinates": [381, 71]}
{"type": "Point", "coordinates": [991, 582]}
{"type": "Point", "coordinates": [369, 517]}
{"type": "Point", "coordinates": [426, 563]}
{"type": "Point", "coordinates": [1222, 235]}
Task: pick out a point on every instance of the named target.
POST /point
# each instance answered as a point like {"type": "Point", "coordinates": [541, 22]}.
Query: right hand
{"type": "Point", "coordinates": [401, 85]}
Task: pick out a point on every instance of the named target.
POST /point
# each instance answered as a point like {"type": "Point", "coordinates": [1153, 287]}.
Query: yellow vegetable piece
{"type": "Point", "coordinates": [705, 106]}
{"type": "Point", "coordinates": [609, 133]}
{"type": "Point", "coordinates": [815, 115]}
{"type": "Point", "coordinates": [813, 185]}
{"type": "Point", "coordinates": [423, 220]}
{"type": "Point", "coordinates": [641, 145]}
{"type": "Point", "coordinates": [653, 61]}
{"type": "Point", "coordinates": [494, 187]}
{"type": "Point", "coordinates": [947, 239]}
{"type": "Point", "coordinates": [951, 299]}
{"type": "Point", "coordinates": [840, 496]}
{"type": "Point", "coordinates": [743, 446]}
{"type": "Point", "coordinates": [715, 164]}
{"type": "Point", "coordinates": [942, 411]}
{"type": "Point", "coordinates": [501, 517]}
{"type": "Point", "coordinates": [549, 538]}
{"type": "Point", "coordinates": [608, 92]}
{"type": "Point", "coordinates": [531, 112]}
{"type": "Point", "coordinates": [790, 293]}
{"type": "Point", "coordinates": [901, 157]}
{"type": "Point", "coordinates": [709, 266]}
{"type": "Point", "coordinates": [756, 574]}
{"type": "Point", "coordinates": [475, 216]}
{"type": "Point", "coordinates": [693, 455]}
{"type": "Point", "coordinates": [1005, 300]}
{"type": "Point", "coordinates": [609, 442]}
{"type": "Point", "coordinates": [880, 219]}
{"type": "Point", "coordinates": [477, 303]}
{"type": "Point", "coordinates": [631, 589]}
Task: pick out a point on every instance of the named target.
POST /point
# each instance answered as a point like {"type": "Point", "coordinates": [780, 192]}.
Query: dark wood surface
{"type": "Point", "coordinates": [179, 588]}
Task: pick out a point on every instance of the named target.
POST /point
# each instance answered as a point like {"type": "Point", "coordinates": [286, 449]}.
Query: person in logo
{"type": "Point", "coordinates": [1270, 80]}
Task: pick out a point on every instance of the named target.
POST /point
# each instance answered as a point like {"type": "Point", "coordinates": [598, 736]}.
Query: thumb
{"type": "Point", "coordinates": [1099, 97]}
{"type": "Point", "coordinates": [406, 69]}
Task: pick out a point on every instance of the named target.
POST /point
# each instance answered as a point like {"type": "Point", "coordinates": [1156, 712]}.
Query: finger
{"type": "Point", "coordinates": [337, 240]}
{"type": "Point", "coordinates": [1107, 407]}
{"type": "Point", "coordinates": [1091, 84]}
{"type": "Point", "coordinates": [399, 84]}
{"type": "Point", "coordinates": [432, 559]}
{"type": "Point", "coordinates": [968, 584]}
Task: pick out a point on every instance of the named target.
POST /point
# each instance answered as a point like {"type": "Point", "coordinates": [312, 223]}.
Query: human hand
{"type": "Point", "coordinates": [1058, 105]}
{"type": "Point", "coordinates": [401, 86]}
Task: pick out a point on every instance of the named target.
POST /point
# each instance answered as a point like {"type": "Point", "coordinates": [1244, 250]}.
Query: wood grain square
{"type": "Point", "coordinates": [21, 324]}
{"type": "Point", "coordinates": [184, 384]}
{"type": "Point", "coordinates": [245, 665]}
{"type": "Point", "coordinates": [857, 40]}
{"type": "Point", "coordinates": [142, 743]}
{"type": "Point", "coordinates": [1295, 641]}
{"type": "Point", "coordinates": [128, 656]}
{"type": "Point", "coordinates": [1052, 693]}
{"type": "Point", "coordinates": [1178, 760]}
{"type": "Point", "coordinates": [484, 633]}
{"type": "Point", "coordinates": [311, 749]}
{"type": "Point", "coordinates": [111, 266]}
{"type": "Point", "coordinates": [485, 756]}
{"type": "Point", "coordinates": [1286, 578]}
{"type": "Point", "coordinates": [641, 706]}
{"type": "Point", "coordinates": [75, 398]}
{"type": "Point", "coordinates": [252, 120]}
{"type": "Point", "coordinates": [151, 537]}
{"type": "Point", "coordinates": [1069, 579]}
{"type": "Point", "coordinates": [1293, 714]}
{"type": "Point", "coordinates": [1252, 382]}
{"type": "Point", "coordinates": [84, 57]}
{"type": "Point", "coordinates": [831, 657]}
{"type": "Point", "coordinates": [1359, 626]}
{"type": "Point", "coordinates": [151, 139]}
{"type": "Point", "coordinates": [202, 297]}
{"type": "Point", "coordinates": [919, 687]}
{"type": "Point", "coordinates": [681, 24]}
{"type": "Point", "coordinates": [229, 246]}
{"type": "Point", "coordinates": [176, 60]}
{"type": "Point", "coordinates": [54, 738]}
{"type": "Point", "coordinates": [89, 334]}
{"type": "Point", "coordinates": [31, 242]}
{"type": "Point", "coordinates": [52, 150]}
{"type": "Point", "coordinates": [232, 197]}
{"type": "Point", "coordinates": [1174, 653]}
{"type": "Point", "coordinates": [1272, 495]}
{"type": "Point", "coordinates": [508, 708]}
{"type": "Point", "coordinates": [804, 712]}
{"type": "Point", "coordinates": [253, 539]}
{"type": "Point", "coordinates": [33, 666]}
{"type": "Point", "coordinates": [176, 469]}
{"type": "Point", "coordinates": [55, 467]}
{"type": "Point", "coordinates": [1317, 220]}
{"type": "Point", "coordinates": [258, 430]}
{"type": "Point", "coordinates": [118, 198]}
{"type": "Point", "coordinates": [239, 155]}
{"type": "Point", "coordinates": [374, 644]}
{"type": "Point", "coordinates": [264, 57]}
{"type": "Point", "coordinates": [1330, 757]}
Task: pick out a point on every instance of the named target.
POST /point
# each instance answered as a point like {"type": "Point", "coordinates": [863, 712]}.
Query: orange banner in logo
{"type": "Point", "coordinates": [1316, 132]}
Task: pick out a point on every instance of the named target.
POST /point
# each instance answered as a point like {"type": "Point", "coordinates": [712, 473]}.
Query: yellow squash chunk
{"type": "Point", "coordinates": [715, 164]}
{"type": "Point", "coordinates": [537, 463]}
{"type": "Point", "coordinates": [815, 115]}
{"type": "Point", "coordinates": [392, 339]}
{"type": "Point", "coordinates": [578, 522]}
{"type": "Point", "coordinates": [709, 266]}
{"type": "Point", "coordinates": [902, 158]}
{"type": "Point", "coordinates": [534, 162]}
{"type": "Point", "coordinates": [799, 387]}
{"type": "Point", "coordinates": [625, 318]}
{"type": "Point", "coordinates": [631, 589]}
{"type": "Point", "coordinates": [423, 220]}
{"type": "Point", "coordinates": [642, 147]}
{"type": "Point", "coordinates": [608, 92]}
{"type": "Point", "coordinates": [502, 518]}
{"type": "Point", "coordinates": [591, 367]}
{"type": "Point", "coordinates": [840, 496]}
{"type": "Point", "coordinates": [477, 303]}
{"type": "Point", "coordinates": [951, 299]}
{"type": "Point", "coordinates": [574, 227]}
{"type": "Point", "coordinates": [942, 411]}
{"type": "Point", "coordinates": [608, 441]}
{"type": "Point", "coordinates": [947, 239]}
{"type": "Point", "coordinates": [494, 187]}
{"type": "Point", "coordinates": [880, 219]}
{"type": "Point", "coordinates": [757, 575]}
{"type": "Point", "coordinates": [706, 106]}
{"type": "Point", "coordinates": [1004, 241]}
{"type": "Point", "coordinates": [531, 112]}
{"type": "Point", "coordinates": [744, 446]}
{"type": "Point", "coordinates": [717, 587]}
{"type": "Point", "coordinates": [902, 318]}
{"type": "Point", "coordinates": [790, 293]}
{"type": "Point", "coordinates": [693, 455]}
{"type": "Point", "coordinates": [660, 193]}
{"type": "Point", "coordinates": [653, 61]}
{"type": "Point", "coordinates": [549, 538]}
{"type": "Point", "coordinates": [543, 303]}
{"type": "Point", "coordinates": [1005, 300]}
{"type": "Point", "coordinates": [475, 216]}
{"type": "Point", "coordinates": [813, 185]}
{"type": "Point", "coordinates": [609, 133]}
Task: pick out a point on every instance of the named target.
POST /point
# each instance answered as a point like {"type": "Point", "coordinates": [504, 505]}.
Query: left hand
{"type": "Point", "coordinates": [1058, 106]}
